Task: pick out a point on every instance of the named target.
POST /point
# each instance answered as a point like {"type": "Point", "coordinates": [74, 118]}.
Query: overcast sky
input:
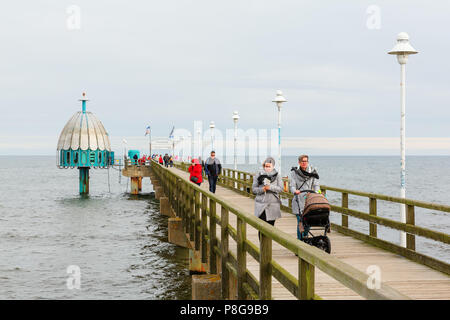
{"type": "Point", "coordinates": [169, 63]}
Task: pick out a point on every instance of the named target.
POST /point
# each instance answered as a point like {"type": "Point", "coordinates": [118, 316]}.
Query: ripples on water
{"type": "Point", "coordinates": [119, 241]}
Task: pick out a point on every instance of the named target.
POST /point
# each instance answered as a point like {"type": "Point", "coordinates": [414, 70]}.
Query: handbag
{"type": "Point", "coordinates": [194, 179]}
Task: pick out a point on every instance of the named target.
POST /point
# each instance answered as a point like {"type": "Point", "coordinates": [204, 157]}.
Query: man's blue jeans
{"type": "Point", "coordinates": [301, 235]}
{"type": "Point", "coordinates": [212, 183]}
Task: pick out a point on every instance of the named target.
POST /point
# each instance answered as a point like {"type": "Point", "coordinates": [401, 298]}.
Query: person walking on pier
{"type": "Point", "coordinates": [212, 170]}
{"type": "Point", "coordinates": [166, 160]}
{"type": "Point", "coordinates": [160, 160]}
{"type": "Point", "coordinates": [302, 178]}
{"type": "Point", "coordinates": [267, 185]}
{"type": "Point", "coordinates": [195, 170]}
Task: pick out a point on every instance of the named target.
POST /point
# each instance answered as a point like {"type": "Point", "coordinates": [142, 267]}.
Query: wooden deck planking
{"type": "Point", "coordinates": [412, 279]}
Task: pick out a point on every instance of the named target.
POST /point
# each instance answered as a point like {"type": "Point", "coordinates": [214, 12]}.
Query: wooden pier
{"type": "Point", "coordinates": [222, 230]}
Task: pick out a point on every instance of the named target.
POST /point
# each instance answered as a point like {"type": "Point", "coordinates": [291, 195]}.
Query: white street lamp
{"type": "Point", "coordinates": [181, 152]}
{"type": "Point", "coordinates": [124, 148]}
{"type": "Point", "coordinates": [279, 99]}
{"type": "Point", "coordinates": [212, 126]}
{"type": "Point", "coordinates": [192, 145]}
{"type": "Point", "coordinates": [235, 119]}
{"type": "Point", "coordinates": [199, 133]}
{"type": "Point", "coordinates": [402, 50]}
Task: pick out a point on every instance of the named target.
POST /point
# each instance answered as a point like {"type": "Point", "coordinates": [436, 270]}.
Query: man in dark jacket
{"type": "Point", "coordinates": [166, 160]}
{"type": "Point", "coordinates": [212, 170]}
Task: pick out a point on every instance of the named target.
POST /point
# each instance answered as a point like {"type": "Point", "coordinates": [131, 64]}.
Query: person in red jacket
{"type": "Point", "coordinates": [160, 160]}
{"type": "Point", "coordinates": [195, 171]}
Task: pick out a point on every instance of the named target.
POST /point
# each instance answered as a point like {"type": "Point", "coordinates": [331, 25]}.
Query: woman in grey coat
{"type": "Point", "coordinates": [267, 185]}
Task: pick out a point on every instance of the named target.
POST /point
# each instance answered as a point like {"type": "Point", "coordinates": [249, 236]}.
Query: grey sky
{"type": "Point", "coordinates": [169, 63]}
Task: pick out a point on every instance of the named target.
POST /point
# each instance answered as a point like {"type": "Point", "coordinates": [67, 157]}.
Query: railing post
{"type": "Point", "coordinates": [306, 280]}
{"type": "Point", "coordinates": [265, 268]}
{"type": "Point", "coordinates": [183, 204]}
{"type": "Point", "coordinates": [197, 220]}
{"type": "Point", "coordinates": [224, 245]}
{"type": "Point", "coordinates": [410, 219]}
{"type": "Point", "coordinates": [212, 237]}
{"type": "Point", "coordinates": [204, 221]}
{"type": "Point", "coordinates": [178, 191]}
{"type": "Point", "coordinates": [241, 186]}
{"type": "Point", "coordinates": [231, 177]}
{"type": "Point", "coordinates": [187, 216]}
{"type": "Point", "coordinates": [241, 257]}
{"type": "Point", "coordinates": [344, 205]}
{"type": "Point", "coordinates": [373, 212]}
{"type": "Point", "coordinates": [245, 184]}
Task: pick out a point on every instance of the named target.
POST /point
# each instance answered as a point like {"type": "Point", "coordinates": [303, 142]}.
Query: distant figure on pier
{"type": "Point", "coordinates": [267, 185]}
{"type": "Point", "coordinates": [212, 170]}
{"type": "Point", "coordinates": [160, 160]}
{"type": "Point", "coordinates": [166, 160]}
{"type": "Point", "coordinates": [171, 161]}
{"type": "Point", "coordinates": [302, 178]}
{"type": "Point", "coordinates": [195, 170]}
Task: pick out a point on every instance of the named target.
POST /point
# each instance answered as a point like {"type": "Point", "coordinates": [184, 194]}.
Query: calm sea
{"type": "Point", "coordinates": [119, 241]}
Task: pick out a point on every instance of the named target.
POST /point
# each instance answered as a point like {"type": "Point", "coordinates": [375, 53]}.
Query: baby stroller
{"type": "Point", "coordinates": [316, 216]}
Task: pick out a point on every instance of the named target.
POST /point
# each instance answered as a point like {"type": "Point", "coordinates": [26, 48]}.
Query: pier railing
{"type": "Point", "coordinates": [198, 210]}
{"type": "Point", "coordinates": [241, 182]}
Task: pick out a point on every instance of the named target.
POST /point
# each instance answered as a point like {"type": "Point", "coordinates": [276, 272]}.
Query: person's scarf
{"type": "Point", "coordinates": [306, 174]}
{"type": "Point", "coordinates": [272, 176]}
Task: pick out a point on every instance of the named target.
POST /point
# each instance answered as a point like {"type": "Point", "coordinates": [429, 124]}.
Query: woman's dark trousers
{"type": "Point", "coordinates": [263, 217]}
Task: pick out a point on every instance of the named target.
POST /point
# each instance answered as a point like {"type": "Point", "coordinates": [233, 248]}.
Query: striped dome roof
{"type": "Point", "coordinates": [84, 131]}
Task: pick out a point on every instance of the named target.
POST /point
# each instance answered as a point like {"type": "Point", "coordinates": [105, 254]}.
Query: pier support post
{"type": "Point", "coordinates": [176, 233]}
{"type": "Point", "coordinates": [134, 185]}
{"type": "Point", "coordinates": [155, 183]}
{"type": "Point", "coordinates": [84, 180]}
{"type": "Point", "coordinates": [140, 183]}
{"type": "Point", "coordinates": [206, 287]}
{"type": "Point", "coordinates": [158, 192]}
{"type": "Point", "coordinates": [164, 206]}
{"type": "Point", "coordinates": [195, 262]}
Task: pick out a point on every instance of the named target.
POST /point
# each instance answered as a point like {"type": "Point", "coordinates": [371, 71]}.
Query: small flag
{"type": "Point", "coordinates": [171, 133]}
{"type": "Point", "coordinates": [147, 130]}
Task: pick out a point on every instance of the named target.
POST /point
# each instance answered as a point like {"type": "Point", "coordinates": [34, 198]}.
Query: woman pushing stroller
{"type": "Point", "coordinates": [302, 178]}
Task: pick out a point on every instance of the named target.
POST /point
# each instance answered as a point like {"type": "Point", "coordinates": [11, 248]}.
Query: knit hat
{"type": "Point", "coordinates": [269, 160]}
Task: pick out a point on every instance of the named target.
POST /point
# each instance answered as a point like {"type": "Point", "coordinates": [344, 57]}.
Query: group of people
{"type": "Point", "coordinates": [212, 168]}
{"type": "Point", "coordinates": [165, 160]}
{"type": "Point", "coordinates": [267, 186]}
{"type": "Point", "coordinates": [141, 161]}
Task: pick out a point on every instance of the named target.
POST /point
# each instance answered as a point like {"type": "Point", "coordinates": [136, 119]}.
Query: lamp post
{"type": "Point", "coordinates": [149, 132]}
{"type": "Point", "coordinates": [279, 99]}
{"type": "Point", "coordinates": [199, 133]}
{"type": "Point", "coordinates": [235, 119]}
{"type": "Point", "coordinates": [182, 149]}
{"type": "Point", "coordinates": [402, 50]}
{"type": "Point", "coordinates": [124, 148]}
{"type": "Point", "coordinates": [192, 146]}
{"type": "Point", "coordinates": [212, 126]}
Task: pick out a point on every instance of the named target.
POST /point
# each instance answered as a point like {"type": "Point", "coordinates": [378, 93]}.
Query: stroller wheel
{"type": "Point", "coordinates": [324, 244]}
